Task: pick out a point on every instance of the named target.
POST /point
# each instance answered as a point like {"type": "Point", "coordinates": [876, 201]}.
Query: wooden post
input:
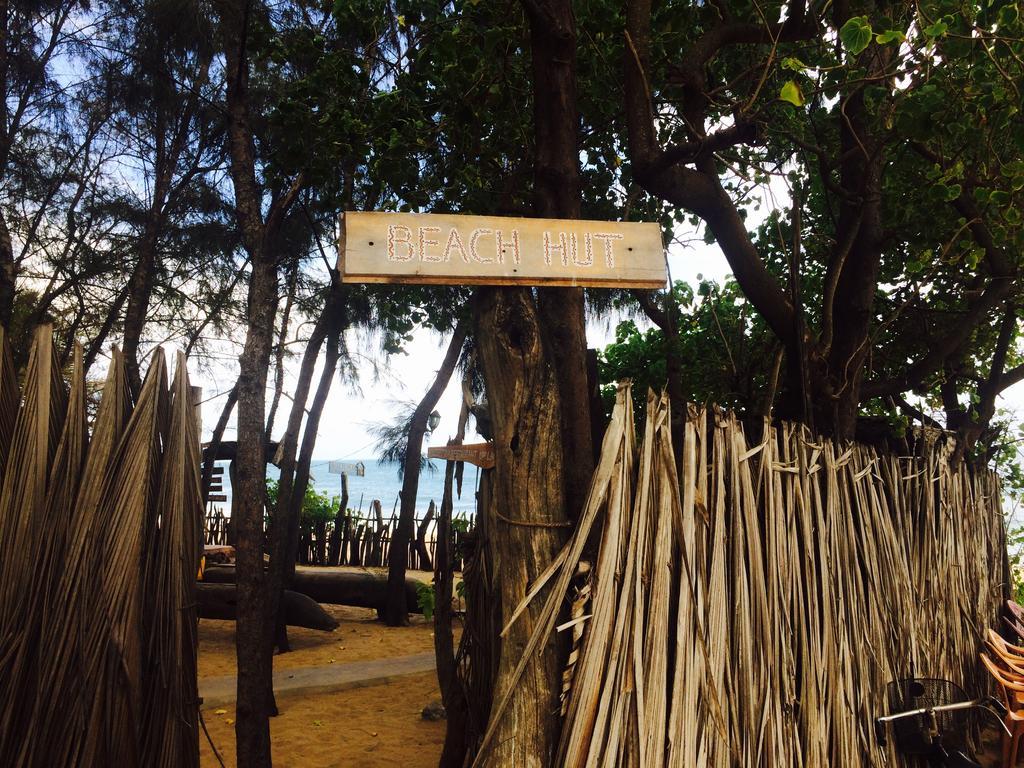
{"type": "Point", "coordinates": [425, 563]}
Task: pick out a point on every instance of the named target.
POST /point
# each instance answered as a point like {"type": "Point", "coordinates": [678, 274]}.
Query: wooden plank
{"type": "Point", "coordinates": [480, 454]}
{"type": "Point", "coordinates": [217, 497]}
{"type": "Point", "coordinates": [445, 249]}
{"type": "Point", "coordinates": [217, 471]}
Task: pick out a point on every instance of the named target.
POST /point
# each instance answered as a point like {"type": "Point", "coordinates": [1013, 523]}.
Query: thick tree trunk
{"type": "Point", "coordinates": [557, 195]}
{"type": "Point", "coordinates": [856, 257]}
{"type": "Point", "coordinates": [394, 612]}
{"type": "Point", "coordinates": [529, 524]}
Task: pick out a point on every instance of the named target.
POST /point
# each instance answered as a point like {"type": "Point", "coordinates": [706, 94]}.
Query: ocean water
{"type": "Point", "coordinates": [382, 482]}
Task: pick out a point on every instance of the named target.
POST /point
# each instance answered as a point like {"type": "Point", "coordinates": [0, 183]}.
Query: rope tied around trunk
{"type": "Point", "coordinates": [530, 523]}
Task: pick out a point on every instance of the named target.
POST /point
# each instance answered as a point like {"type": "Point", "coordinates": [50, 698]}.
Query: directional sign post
{"type": "Point", "coordinates": [444, 249]}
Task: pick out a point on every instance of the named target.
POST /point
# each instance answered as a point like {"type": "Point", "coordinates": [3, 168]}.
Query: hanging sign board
{"type": "Point", "coordinates": [442, 249]}
{"type": "Point", "coordinates": [480, 454]}
{"type": "Point", "coordinates": [347, 467]}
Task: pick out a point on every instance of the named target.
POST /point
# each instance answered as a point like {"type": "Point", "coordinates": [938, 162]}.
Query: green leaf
{"type": "Point", "coordinates": [938, 29]}
{"type": "Point", "coordinates": [890, 36]}
{"type": "Point", "coordinates": [856, 34]}
{"type": "Point", "coordinates": [952, 192]}
{"type": "Point", "coordinates": [1008, 14]}
{"type": "Point", "coordinates": [791, 92]}
{"type": "Point", "coordinates": [794, 64]}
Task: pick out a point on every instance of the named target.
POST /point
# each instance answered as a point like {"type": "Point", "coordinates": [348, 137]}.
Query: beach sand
{"type": "Point", "coordinates": [359, 728]}
{"type": "Point", "coordinates": [359, 638]}
{"type": "Point", "coordinates": [369, 726]}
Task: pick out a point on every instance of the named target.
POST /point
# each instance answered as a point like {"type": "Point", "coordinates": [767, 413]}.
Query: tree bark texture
{"type": "Point", "coordinates": [453, 754]}
{"type": "Point", "coordinates": [529, 523]}
{"type": "Point", "coordinates": [557, 195]}
{"type": "Point", "coordinates": [253, 648]}
{"type": "Point", "coordinates": [255, 622]}
{"type": "Point", "coordinates": [394, 612]}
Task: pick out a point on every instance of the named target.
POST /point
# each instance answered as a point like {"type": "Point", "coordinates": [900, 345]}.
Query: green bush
{"type": "Point", "coordinates": [425, 599]}
{"type": "Point", "coordinates": [316, 507]}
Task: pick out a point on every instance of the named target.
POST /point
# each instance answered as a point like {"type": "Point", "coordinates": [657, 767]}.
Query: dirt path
{"type": "Point", "coordinates": [350, 698]}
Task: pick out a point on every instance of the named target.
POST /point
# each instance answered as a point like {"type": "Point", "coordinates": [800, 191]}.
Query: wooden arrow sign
{"type": "Point", "coordinates": [444, 249]}
{"type": "Point", "coordinates": [480, 454]}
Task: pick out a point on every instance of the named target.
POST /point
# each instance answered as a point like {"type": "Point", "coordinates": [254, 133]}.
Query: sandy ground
{"type": "Point", "coordinates": [359, 728]}
{"type": "Point", "coordinates": [372, 726]}
{"type": "Point", "coordinates": [359, 638]}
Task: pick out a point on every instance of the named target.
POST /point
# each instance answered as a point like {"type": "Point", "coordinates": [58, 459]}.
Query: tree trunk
{"type": "Point", "coordinates": [557, 195]}
{"type": "Point", "coordinates": [395, 614]}
{"type": "Point", "coordinates": [7, 274]}
{"type": "Point", "coordinates": [529, 525]}
{"type": "Point", "coordinates": [293, 277]}
{"type": "Point", "coordinates": [452, 696]}
{"type": "Point", "coordinates": [256, 609]}
{"type": "Point", "coordinates": [422, 552]}
{"type": "Point", "coordinates": [140, 284]}
{"type": "Point", "coordinates": [295, 474]}
{"type": "Point", "coordinates": [248, 492]}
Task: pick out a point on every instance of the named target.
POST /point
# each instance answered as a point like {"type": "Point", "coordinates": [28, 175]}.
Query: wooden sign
{"type": "Point", "coordinates": [443, 249]}
{"type": "Point", "coordinates": [347, 467]}
{"type": "Point", "coordinates": [480, 454]}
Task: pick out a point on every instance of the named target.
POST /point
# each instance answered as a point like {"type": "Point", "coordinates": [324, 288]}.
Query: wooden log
{"type": "Point", "coordinates": [218, 601]}
{"type": "Point", "coordinates": [360, 589]}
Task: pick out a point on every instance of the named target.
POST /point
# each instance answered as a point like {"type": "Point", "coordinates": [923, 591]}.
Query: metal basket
{"type": "Point", "coordinates": [910, 733]}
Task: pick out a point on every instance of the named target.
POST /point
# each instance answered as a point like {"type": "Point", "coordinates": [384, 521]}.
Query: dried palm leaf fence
{"type": "Point", "coordinates": [99, 549]}
{"type": "Point", "coordinates": [753, 615]}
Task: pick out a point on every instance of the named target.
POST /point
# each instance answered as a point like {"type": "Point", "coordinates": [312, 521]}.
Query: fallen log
{"type": "Point", "coordinates": [360, 589]}
{"type": "Point", "coordinates": [218, 601]}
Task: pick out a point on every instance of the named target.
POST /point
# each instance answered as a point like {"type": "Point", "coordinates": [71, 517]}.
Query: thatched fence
{"type": "Point", "coordinates": [99, 548]}
{"type": "Point", "coordinates": [753, 614]}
